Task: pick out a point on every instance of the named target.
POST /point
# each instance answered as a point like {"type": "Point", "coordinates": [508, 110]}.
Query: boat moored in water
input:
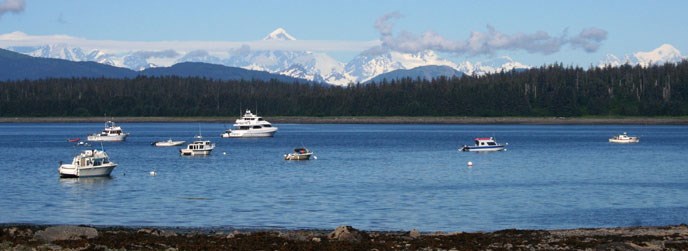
{"type": "Point", "coordinates": [250, 125]}
{"type": "Point", "coordinates": [484, 145]}
{"type": "Point", "coordinates": [198, 147]}
{"type": "Point", "coordinates": [111, 132]}
{"type": "Point", "coordinates": [168, 142]}
{"type": "Point", "coordinates": [624, 138]}
{"type": "Point", "coordinates": [301, 153]}
{"type": "Point", "coordinates": [89, 163]}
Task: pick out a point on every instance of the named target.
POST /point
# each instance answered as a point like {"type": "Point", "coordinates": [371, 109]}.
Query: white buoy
{"type": "Point", "coordinates": [315, 157]}
{"type": "Point", "coordinates": [153, 173]}
{"type": "Point", "coordinates": [470, 163]}
{"type": "Point", "coordinates": [224, 153]}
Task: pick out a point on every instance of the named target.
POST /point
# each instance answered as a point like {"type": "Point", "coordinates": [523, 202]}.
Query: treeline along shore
{"type": "Point", "coordinates": [372, 120]}
{"type": "Point", "coordinates": [552, 91]}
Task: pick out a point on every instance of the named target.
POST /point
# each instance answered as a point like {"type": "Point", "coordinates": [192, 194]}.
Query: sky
{"type": "Point", "coordinates": [532, 32]}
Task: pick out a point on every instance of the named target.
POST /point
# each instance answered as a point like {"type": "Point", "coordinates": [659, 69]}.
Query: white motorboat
{"type": "Point", "coordinates": [624, 138]}
{"type": "Point", "coordinates": [250, 125]}
{"type": "Point", "coordinates": [89, 163]}
{"type": "Point", "coordinates": [299, 154]}
{"type": "Point", "coordinates": [198, 147]}
{"type": "Point", "coordinates": [484, 145]}
{"type": "Point", "coordinates": [168, 142]}
{"type": "Point", "coordinates": [111, 132]}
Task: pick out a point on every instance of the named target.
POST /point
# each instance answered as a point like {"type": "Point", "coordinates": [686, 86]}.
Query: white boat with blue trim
{"type": "Point", "coordinates": [484, 145]}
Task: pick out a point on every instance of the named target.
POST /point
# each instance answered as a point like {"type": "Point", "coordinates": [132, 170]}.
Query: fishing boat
{"type": "Point", "coordinates": [484, 145]}
{"type": "Point", "coordinates": [250, 125]}
{"type": "Point", "coordinates": [168, 142]}
{"type": "Point", "coordinates": [73, 140]}
{"type": "Point", "coordinates": [198, 147]}
{"type": "Point", "coordinates": [624, 139]}
{"type": "Point", "coordinates": [89, 163]}
{"type": "Point", "coordinates": [301, 153]}
{"type": "Point", "coordinates": [111, 132]}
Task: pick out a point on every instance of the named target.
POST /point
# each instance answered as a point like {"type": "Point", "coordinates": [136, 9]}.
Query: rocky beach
{"type": "Point", "coordinates": [43, 237]}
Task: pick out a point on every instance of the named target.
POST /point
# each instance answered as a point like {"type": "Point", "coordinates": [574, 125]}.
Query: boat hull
{"type": "Point", "coordinates": [482, 148]}
{"type": "Point", "coordinates": [624, 141]}
{"type": "Point", "coordinates": [168, 143]}
{"type": "Point", "coordinates": [188, 152]}
{"type": "Point", "coordinates": [293, 156]}
{"type": "Point", "coordinates": [251, 133]}
{"type": "Point", "coordinates": [71, 171]}
{"type": "Point", "coordinates": [108, 138]}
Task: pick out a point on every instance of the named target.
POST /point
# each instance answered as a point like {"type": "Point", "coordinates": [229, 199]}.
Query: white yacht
{"type": "Point", "coordinates": [624, 138]}
{"type": "Point", "coordinates": [198, 147]}
{"type": "Point", "coordinates": [111, 132]}
{"type": "Point", "coordinates": [250, 125]}
{"type": "Point", "coordinates": [89, 163]}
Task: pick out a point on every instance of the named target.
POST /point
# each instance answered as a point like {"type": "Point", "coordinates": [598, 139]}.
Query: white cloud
{"type": "Point", "coordinates": [14, 6]}
{"type": "Point", "coordinates": [485, 43]}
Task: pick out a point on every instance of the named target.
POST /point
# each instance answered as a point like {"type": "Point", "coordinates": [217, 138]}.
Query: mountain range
{"type": "Point", "coordinates": [17, 66]}
{"type": "Point", "coordinates": [662, 54]}
{"type": "Point", "coordinates": [318, 66]}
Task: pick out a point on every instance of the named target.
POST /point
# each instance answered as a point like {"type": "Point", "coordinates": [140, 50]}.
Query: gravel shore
{"type": "Point", "coordinates": [37, 237]}
{"type": "Point", "coordinates": [373, 120]}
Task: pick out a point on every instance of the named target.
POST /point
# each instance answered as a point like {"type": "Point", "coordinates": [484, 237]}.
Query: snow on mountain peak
{"type": "Point", "coordinates": [279, 34]}
{"type": "Point", "coordinates": [662, 54]}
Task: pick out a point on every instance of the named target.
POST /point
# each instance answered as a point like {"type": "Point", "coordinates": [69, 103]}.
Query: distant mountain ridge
{"type": "Point", "coordinates": [17, 66]}
{"type": "Point", "coordinates": [313, 66]}
{"type": "Point", "coordinates": [318, 66]}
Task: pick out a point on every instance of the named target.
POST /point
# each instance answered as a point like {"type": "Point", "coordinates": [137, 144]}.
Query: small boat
{"type": "Point", "coordinates": [250, 125]}
{"type": "Point", "coordinates": [624, 138]}
{"type": "Point", "coordinates": [74, 140]}
{"type": "Point", "coordinates": [198, 147]}
{"type": "Point", "coordinates": [89, 163]}
{"type": "Point", "coordinates": [111, 132]}
{"type": "Point", "coordinates": [81, 143]}
{"type": "Point", "coordinates": [484, 145]}
{"type": "Point", "coordinates": [168, 142]}
{"type": "Point", "coordinates": [301, 153]}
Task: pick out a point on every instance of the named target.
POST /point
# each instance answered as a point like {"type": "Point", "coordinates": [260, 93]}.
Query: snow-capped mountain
{"type": "Point", "coordinates": [377, 61]}
{"type": "Point", "coordinates": [503, 63]}
{"type": "Point", "coordinates": [314, 66]}
{"type": "Point", "coordinates": [279, 34]}
{"type": "Point", "coordinates": [63, 51]}
{"type": "Point", "coordinates": [665, 53]}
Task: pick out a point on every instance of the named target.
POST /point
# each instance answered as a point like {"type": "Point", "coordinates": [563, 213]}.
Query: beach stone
{"type": "Point", "coordinates": [157, 232]}
{"type": "Point", "coordinates": [415, 234]}
{"type": "Point", "coordinates": [345, 233]}
{"type": "Point", "coordinates": [60, 233]}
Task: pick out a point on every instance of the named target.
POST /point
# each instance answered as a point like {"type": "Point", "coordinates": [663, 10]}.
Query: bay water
{"type": "Point", "coordinates": [370, 176]}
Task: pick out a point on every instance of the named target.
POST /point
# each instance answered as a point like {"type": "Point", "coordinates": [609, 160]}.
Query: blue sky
{"type": "Point", "coordinates": [347, 27]}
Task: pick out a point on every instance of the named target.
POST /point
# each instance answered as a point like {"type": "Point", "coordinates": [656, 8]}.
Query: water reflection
{"type": "Point", "coordinates": [90, 182]}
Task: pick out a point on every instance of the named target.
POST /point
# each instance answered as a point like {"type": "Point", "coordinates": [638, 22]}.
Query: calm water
{"type": "Point", "coordinates": [374, 177]}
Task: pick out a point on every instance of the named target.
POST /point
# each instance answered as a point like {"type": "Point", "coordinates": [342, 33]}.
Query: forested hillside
{"type": "Point", "coordinates": [553, 90]}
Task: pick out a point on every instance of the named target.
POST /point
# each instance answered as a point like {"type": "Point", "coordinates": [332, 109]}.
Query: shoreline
{"type": "Point", "coordinates": [84, 237]}
{"type": "Point", "coordinates": [372, 120]}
